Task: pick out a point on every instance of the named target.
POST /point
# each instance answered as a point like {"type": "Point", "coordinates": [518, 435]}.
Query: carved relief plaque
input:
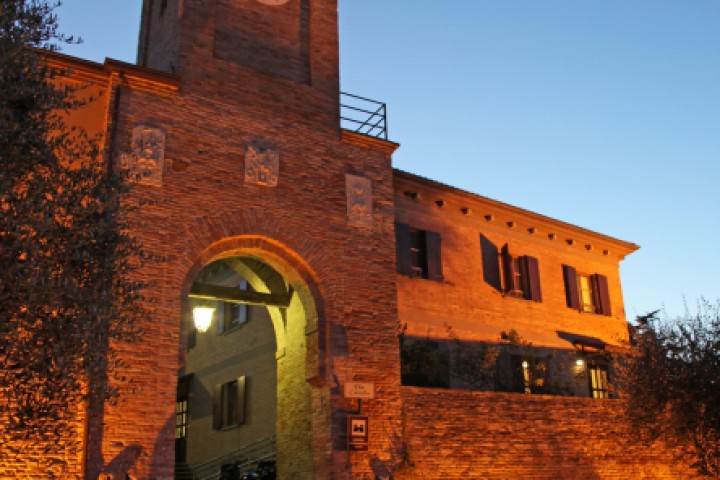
{"type": "Point", "coordinates": [146, 162]}
{"type": "Point", "coordinates": [262, 167]}
{"type": "Point", "coordinates": [359, 200]}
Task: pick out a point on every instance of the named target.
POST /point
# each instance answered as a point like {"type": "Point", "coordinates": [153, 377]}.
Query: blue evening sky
{"type": "Point", "coordinates": [604, 114]}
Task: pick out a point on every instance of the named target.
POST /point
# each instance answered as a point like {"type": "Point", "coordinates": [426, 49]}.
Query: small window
{"type": "Point", "coordinates": [418, 252]}
{"type": "Point", "coordinates": [229, 404]}
{"type": "Point", "coordinates": [530, 374]}
{"type": "Point", "coordinates": [181, 417]}
{"type": "Point", "coordinates": [587, 293]}
{"type": "Point", "coordinates": [234, 315]}
{"type": "Point", "coordinates": [181, 412]}
{"type": "Point", "coordinates": [598, 377]}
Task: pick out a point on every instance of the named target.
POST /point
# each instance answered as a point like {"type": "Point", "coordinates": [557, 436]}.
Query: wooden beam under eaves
{"type": "Point", "coordinates": [235, 295]}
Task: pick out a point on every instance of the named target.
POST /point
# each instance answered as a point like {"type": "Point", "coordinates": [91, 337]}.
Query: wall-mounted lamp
{"type": "Point", "coordinates": [525, 364]}
{"type": "Point", "coordinates": [202, 316]}
{"type": "Point", "coordinates": [579, 362]}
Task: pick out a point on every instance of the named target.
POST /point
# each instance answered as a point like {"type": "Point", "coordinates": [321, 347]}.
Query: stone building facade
{"type": "Point", "coordinates": [251, 193]}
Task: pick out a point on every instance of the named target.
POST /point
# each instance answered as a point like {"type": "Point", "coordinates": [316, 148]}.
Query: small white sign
{"type": "Point", "coordinates": [359, 390]}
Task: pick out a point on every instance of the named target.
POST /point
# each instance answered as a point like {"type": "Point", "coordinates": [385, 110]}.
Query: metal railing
{"type": "Point", "coordinates": [247, 456]}
{"type": "Point", "coordinates": [363, 115]}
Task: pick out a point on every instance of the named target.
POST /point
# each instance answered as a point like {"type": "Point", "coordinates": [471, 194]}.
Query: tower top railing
{"type": "Point", "coordinates": [363, 115]}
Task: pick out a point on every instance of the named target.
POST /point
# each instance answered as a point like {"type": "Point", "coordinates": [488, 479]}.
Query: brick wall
{"type": "Point", "coordinates": [461, 434]}
{"type": "Point", "coordinates": [476, 310]}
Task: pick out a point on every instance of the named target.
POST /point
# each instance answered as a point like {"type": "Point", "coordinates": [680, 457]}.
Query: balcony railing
{"type": "Point", "coordinates": [363, 115]}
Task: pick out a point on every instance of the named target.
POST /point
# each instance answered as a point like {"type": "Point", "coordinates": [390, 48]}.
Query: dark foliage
{"type": "Point", "coordinates": [423, 363]}
{"type": "Point", "coordinates": [672, 382]}
{"type": "Point", "coordinates": [66, 296]}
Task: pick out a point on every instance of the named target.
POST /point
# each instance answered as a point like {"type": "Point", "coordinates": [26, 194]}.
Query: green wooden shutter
{"type": "Point", "coordinates": [491, 263]}
{"type": "Point", "coordinates": [602, 294]}
{"type": "Point", "coordinates": [434, 258]}
{"type": "Point", "coordinates": [402, 248]}
{"type": "Point", "coordinates": [508, 270]}
{"type": "Point", "coordinates": [240, 401]}
{"type": "Point", "coordinates": [531, 278]}
{"type": "Point", "coordinates": [217, 407]}
{"type": "Point", "coordinates": [571, 287]}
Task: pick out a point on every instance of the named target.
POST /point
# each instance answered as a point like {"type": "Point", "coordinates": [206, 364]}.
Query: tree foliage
{"type": "Point", "coordinates": [66, 294]}
{"type": "Point", "coordinates": [672, 382]}
{"type": "Point", "coordinates": [474, 365]}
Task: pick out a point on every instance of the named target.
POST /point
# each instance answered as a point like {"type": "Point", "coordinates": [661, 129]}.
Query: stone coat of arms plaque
{"type": "Point", "coordinates": [146, 162]}
{"type": "Point", "coordinates": [359, 200]}
{"type": "Point", "coordinates": [262, 167]}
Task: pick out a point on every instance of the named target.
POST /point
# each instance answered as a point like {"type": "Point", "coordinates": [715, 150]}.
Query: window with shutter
{"type": "Point", "coordinates": [229, 404]}
{"type": "Point", "coordinates": [418, 252]}
{"type": "Point", "coordinates": [520, 275]}
{"type": "Point", "coordinates": [587, 293]}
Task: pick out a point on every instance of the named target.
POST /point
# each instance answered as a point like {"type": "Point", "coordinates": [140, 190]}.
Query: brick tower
{"type": "Point", "coordinates": [263, 54]}
{"type": "Point", "coordinates": [230, 126]}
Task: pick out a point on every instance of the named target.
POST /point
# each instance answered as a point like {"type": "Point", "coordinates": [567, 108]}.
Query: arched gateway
{"type": "Point", "coordinates": [245, 394]}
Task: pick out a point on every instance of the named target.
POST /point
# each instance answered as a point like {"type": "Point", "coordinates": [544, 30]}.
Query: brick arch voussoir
{"type": "Point", "coordinates": [211, 237]}
{"type": "Point", "coordinates": [207, 231]}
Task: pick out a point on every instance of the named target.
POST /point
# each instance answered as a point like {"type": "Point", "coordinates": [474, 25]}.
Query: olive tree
{"type": "Point", "coordinates": [67, 296]}
{"type": "Point", "coordinates": [672, 384]}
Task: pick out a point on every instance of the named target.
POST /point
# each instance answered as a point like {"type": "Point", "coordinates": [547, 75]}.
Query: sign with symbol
{"type": "Point", "coordinates": [357, 435]}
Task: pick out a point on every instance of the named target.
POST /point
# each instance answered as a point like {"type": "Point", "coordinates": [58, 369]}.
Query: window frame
{"type": "Point", "coordinates": [598, 380]}
{"type": "Point", "coordinates": [598, 290]}
{"type": "Point", "coordinates": [586, 293]}
{"type": "Point", "coordinates": [229, 404]}
{"type": "Point", "coordinates": [418, 252]}
{"type": "Point", "coordinates": [182, 419]}
{"type": "Point", "coordinates": [225, 312]}
{"type": "Point", "coordinates": [519, 275]}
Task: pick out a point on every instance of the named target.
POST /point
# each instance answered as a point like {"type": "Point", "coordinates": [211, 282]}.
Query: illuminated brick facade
{"type": "Point", "coordinates": [230, 124]}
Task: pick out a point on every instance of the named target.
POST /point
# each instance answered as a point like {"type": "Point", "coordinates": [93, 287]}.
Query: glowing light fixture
{"type": "Point", "coordinates": [203, 317]}
{"type": "Point", "coordinates": [525, 364]}
{"type": "Point", "coordinates": [579, 362]}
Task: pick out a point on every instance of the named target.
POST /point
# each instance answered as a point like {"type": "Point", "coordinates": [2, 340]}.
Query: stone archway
{"type": "Point", "coordinates": [284, 288]}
